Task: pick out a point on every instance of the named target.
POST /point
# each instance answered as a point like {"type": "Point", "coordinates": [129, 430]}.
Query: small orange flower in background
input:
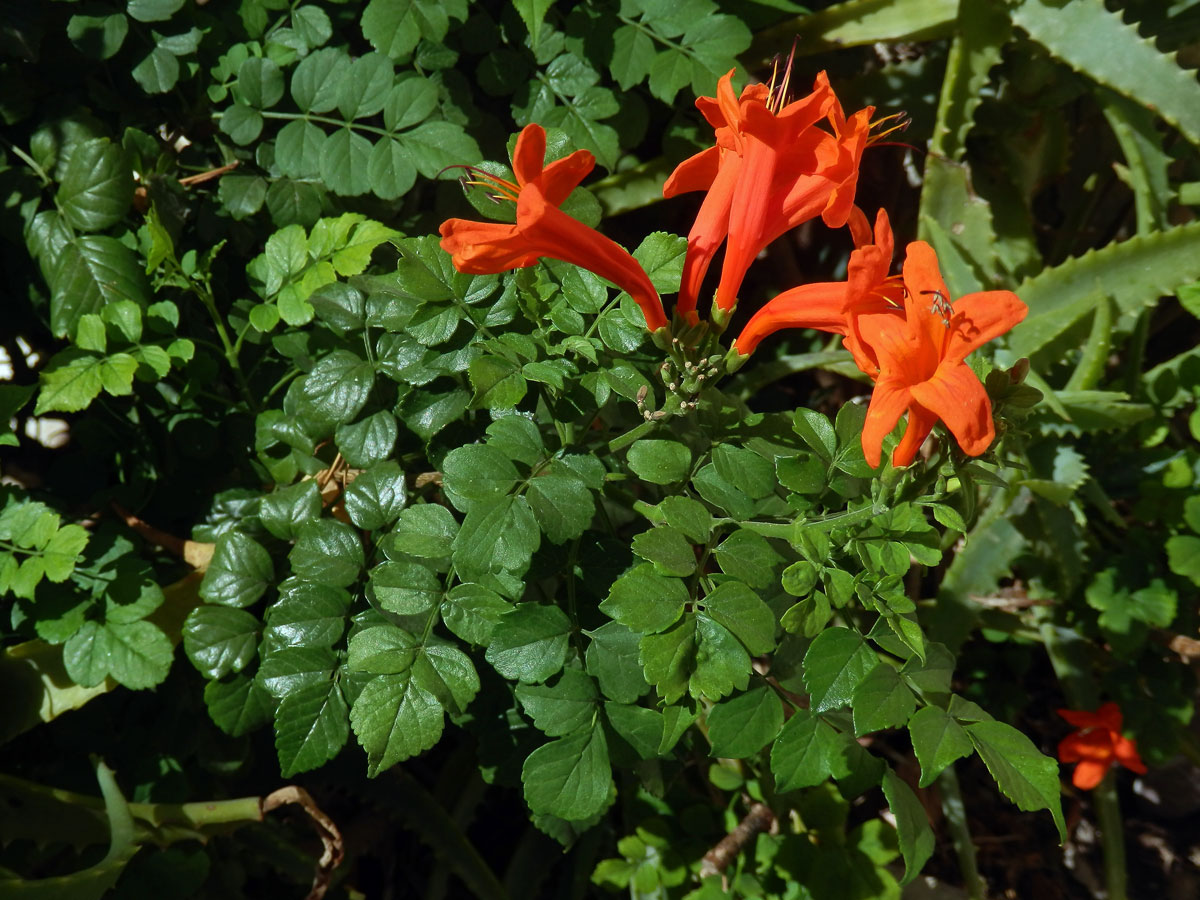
{"type": "Point", "coordinates": [920, 358]}
{"type": "Point", "coordinates": [771, 170]}
{"type": "Point", "coordinates": [1097, 745]}
{"type": "Point", "coordinates": [543, 230]}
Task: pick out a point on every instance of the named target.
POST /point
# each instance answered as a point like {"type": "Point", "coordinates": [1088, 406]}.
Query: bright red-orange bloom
{"type": "Point", "coordinates": [771, 169]}
{"type": "Point", "coordinates": [837, 306]}
{"type": "Point", "coordinates": [1097, 745]}
{"type": "Point", "coordinates": [920, 358]}
{"type": "Point", "coordinates": [543, 230]}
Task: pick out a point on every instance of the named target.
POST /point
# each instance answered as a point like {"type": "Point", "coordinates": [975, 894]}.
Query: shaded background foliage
{"type": "Point", "coordinates": [209, 205]}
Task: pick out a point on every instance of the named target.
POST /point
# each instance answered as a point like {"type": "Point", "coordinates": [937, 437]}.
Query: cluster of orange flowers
{"type": "Point", "coordinates": [771, 168]}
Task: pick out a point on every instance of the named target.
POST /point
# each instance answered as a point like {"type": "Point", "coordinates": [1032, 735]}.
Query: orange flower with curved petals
{"type": "Point", "coordinates": [543, 230]}
{"type": "Point", "coordinates": [920, 358]}
{"type": "Point", "coordinates": [771, 170]}
{"type": "Point", "coordinates": [1097, 745]}
{"type": "Point", "coordinates": [836, 306]}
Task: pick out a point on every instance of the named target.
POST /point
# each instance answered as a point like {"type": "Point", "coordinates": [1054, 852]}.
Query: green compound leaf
{"type": "Point", "coordinates": [689, 516]}
{"type": "Point", "coordinates": [239, 572]}
{"type": "Point", "coordinates": [501, 535]}
{"type": "Point", "coordinates": [381, 650]}
{"type": "Point", "coordinates": [800, 756]}
{"type": "Point", "coordinates": [937, 740]}
{"type": "Point", "coordinates": [570, 777]}
{"type": "Point", "coordinates": [880, 701]}
{"type": "Point", "coordinates": [1183, 556]}
{"type": "Point", "coordinates": [394, 718]}
{"type": "Point", "coordinates": [612, 659]}
{"type": "Point", "coordinates": [425, 531]}
{"type": "Point", "coordinates": [1025, 776]}
{"type": "Point", "coordinates": [311, 726]}
{"type": "Point", "coordinates": [328, 552]}
{"type": "Point", "coordinates": [292, 668]}
{"type": "Point", "coordinates": [743, 725]}
{"type": "Point", "coordinates": [749, 558]}
{"type": "Point", "coordinates": [641, 727]}
{"type": "Point", "coordinates": [448, 674]}
{"type": "Point", "coordinates": [475, 473]}
{"type": "Point", "coordinates": [530, 643]}
{"type": "Point", "coordinates": [338, 386]}
{"type": "Point", "coordinates": [219, 640]}
{"type": "Point", "coordinates": [137, 655]}
{"type": "Point", "coordinates": [644, 601]}
{"type": "Point", "coordinates": [667, 549]}
{"type": "Point", "coordinates": [369, 440]}
{"type": "Point", "coordinates": [238, 705]}
{"type": "Point", "coordinates": [912, 825]}
{"type": "Point", "coordinates": [306, 615]}
{"type": "Point", "coordinates": [835, 664]}
{"type": "Point", "coordinates": [405, 588]}
{"type": "Point", "coordinates": [87, 273]}
{"type": "Point", "coordinates": [562, 708]}
{"type": "Point", "coordinates": [376, 497]}
{"type": "Point", "coordinates": [75, 379]}
{"type": "Point", "coordinates": [472, 612]}
{"type": "Point", "coordinates": [96, 185]}
{"type": "Point", "coordinates": [660, 462]}
{"type": "Point", "coordinates": [562, 504]}
{"type": "Point", "coordinates": [98, 37]}
{"type": "Point", "coordinates": [696, 656]}
{"type": "Point", "coordinates": [741, 611]}
{"type": "Point", "coordinates": [284, 510]}
{"type": "Point", "coordinates": [1092, 40]}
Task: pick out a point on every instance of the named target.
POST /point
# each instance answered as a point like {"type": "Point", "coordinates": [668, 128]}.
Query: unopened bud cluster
{"type": "Point", "coordinates": [684, 379]}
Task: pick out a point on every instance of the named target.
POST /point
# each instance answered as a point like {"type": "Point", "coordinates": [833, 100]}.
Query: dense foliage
{"type": "Point", "coordinates": [293, 496]}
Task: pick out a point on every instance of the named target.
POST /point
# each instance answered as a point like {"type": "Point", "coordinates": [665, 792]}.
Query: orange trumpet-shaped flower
{"type": "Point", "coordinates": [1097, 745]}
{"type": "Point", "coordinates": [771, 169]}
{"type": "Point", "coordinates": [920, 358]}
{"type": "Point", "coordinates": [543, 230]}
{"type": "Point", "coordinates": [837, 306]}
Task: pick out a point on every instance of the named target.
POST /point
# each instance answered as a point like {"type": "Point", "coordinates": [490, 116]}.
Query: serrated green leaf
{"type": "Point", "coordinates": [644, 601]}
{"type": "Point", "coordinates": [376, 497]}
{"type": "Point", "coordinates": [237, 705]}
{"type": "Point", "coordinates": [749, 558]}
{"type": "Point", "coordinates": [530, 643]}
{"type": "Point", "coordinates": [835, 664]}
{"type": "Point", "coordinates": [284, 510]}
{"type": "Point", "coordinates": [562, 708]}
{"type": "Point", "coordinates": [137, 654]}
{"type": "Point", "coordinates": [239, 572]}
{"type": "Point", "coordinates": [393, 719]}
{"type": "Point", "coordinates": [477, 473]}
{"type": "Point", "coordinates": [881, 701]}
{"type": "Point", "coordinates": [667, 549]}
{"type": "Point", "coordinates": [741, 611]}
{"type": "Point", "coordinates": [338, 386]}
{"type": "Point", "coordinates": [306, 615]}
{"type": "Point", "coordinates": [219, 640]}
{"type": "Point", "coordinates": [659, 461]}
{"type": "Point", "coordinates": [96, 185]}
{"type": "Point", "coordinates": [800, 755]}
{"type": "Point", "coordinates": [741, 726]}
{"type": "Point", "coordinates": [86, 274]}
{"type": "Point", "coordinates": [570, 777]}
{"type": "Point", "coordinates": [405, 588]}
{"type": "Point", "coordinates": [448, 674]}
{"type": "Point", "coordinates": [937, 740]}
{"type": "Point", "coordinates": [916, 837]}
{"type": "Point", "coordinates": [472, 612]}
{"type": "Point", "coordinates": [292, 668]}
{"type": "Point", "coordinates": [311, 726]}
{"type": "Point", "coordinates": [562, 504]}
{"type": "Point", "coordinates": [328, 552]}
{"type": "Point", "coordinates": [612, 659]}
{"type": "Point", "coordinates": [1025, 776]}
{"type": "Point", "coordinates": [426, 531]}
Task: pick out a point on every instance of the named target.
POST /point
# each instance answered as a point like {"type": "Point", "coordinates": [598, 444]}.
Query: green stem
{"type": "Point", "coordinates": [960, 833]}
{"type": "Point", "coordinates": [231, 354]}
{"type": "Point", "coordinates": [1112, 835]}
{"type": "Point", "coordinates": [325, 120]}
{"type": "Point", "coordinates": [620, 443]}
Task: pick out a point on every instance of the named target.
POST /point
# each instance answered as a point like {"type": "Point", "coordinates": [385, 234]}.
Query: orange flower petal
{"type": "Point", "coordinates": [980, 317]}
{"type": "Point", "coordinates": [529, 153]}
{"type": "Point", "coordinates": [920, 423]}
{"type": "Point", "coordinates": [889, 400]}
{"type": "Point", "coordinates": [1088, 774]}
{"type": "Point", "coordinates": [696, 173]}
{"type": "Point", "coordinates": [818, 306]}
{"type": "Point", "coordinates": [1127, 755]}
{"type": "Point", "coordinates": [485, 248]}
{"type": "Point", "coordinates": [955, 396]}
{"type": "Point", "coordinates": [563, 175]}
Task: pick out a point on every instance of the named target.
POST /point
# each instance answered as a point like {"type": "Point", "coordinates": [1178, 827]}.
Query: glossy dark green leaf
{"type": "Point", "coordinates": [136, 655]}
{"type": "Point", "coordinates": [219, 640]}
{"type": "Point", "coordinates": [405, 588]}
{"type": "Point", "coordinates": [562, 504]}
{"type": "Point", "coordinates": [837, 661]}
{"type": "Point", "coordinates": [311, 726]}
{"type": "Point", "coordinates": [472, 612]}
{"type": "Point", "coordinates": [612, 659]}
{"type": "Point", "coordinates": [912, 825]}
{"type": "Point", "coordinates": [327, 551]}
{"type": "Point", "coordinates": [1025, 776]}
{"type": "Point", "coordinates": [375, 498]}
{"type": "Point", "coordinates": [292, 668]}
{"type": "Point", "coordinates": [742, 611]}
{"type": "Point", "coordinates": [741, 726]}
{"type": "Point", "coordinates": [667, 549]}
{"type": "Point", "coordinates": [570, 777]}
{"type": "Point", "coordinates": [563, 707]}
{"type": "Point", "coordinates": [659, 461]}
{"type": "Point", "coordinates": [306, 614]}
{"type": "Point", "coordinates": [393, 719]}
{"type": "Point", "coordinates": [238, 704]}
{"type": "Point", "coordinates": [800, 755]}
{"type": "Point", "coordinates": [284, 510]}
{"type": "Point", "coordinates": [880, 701]}
{"type": "Point", "coordinates": [937, 740]}
{"type": "Point", "coordinates": [645, 601]}
{"type": "Point", "coordinates": [530, 643]}
{"type": "Point", "coordinates": [239, 572]}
